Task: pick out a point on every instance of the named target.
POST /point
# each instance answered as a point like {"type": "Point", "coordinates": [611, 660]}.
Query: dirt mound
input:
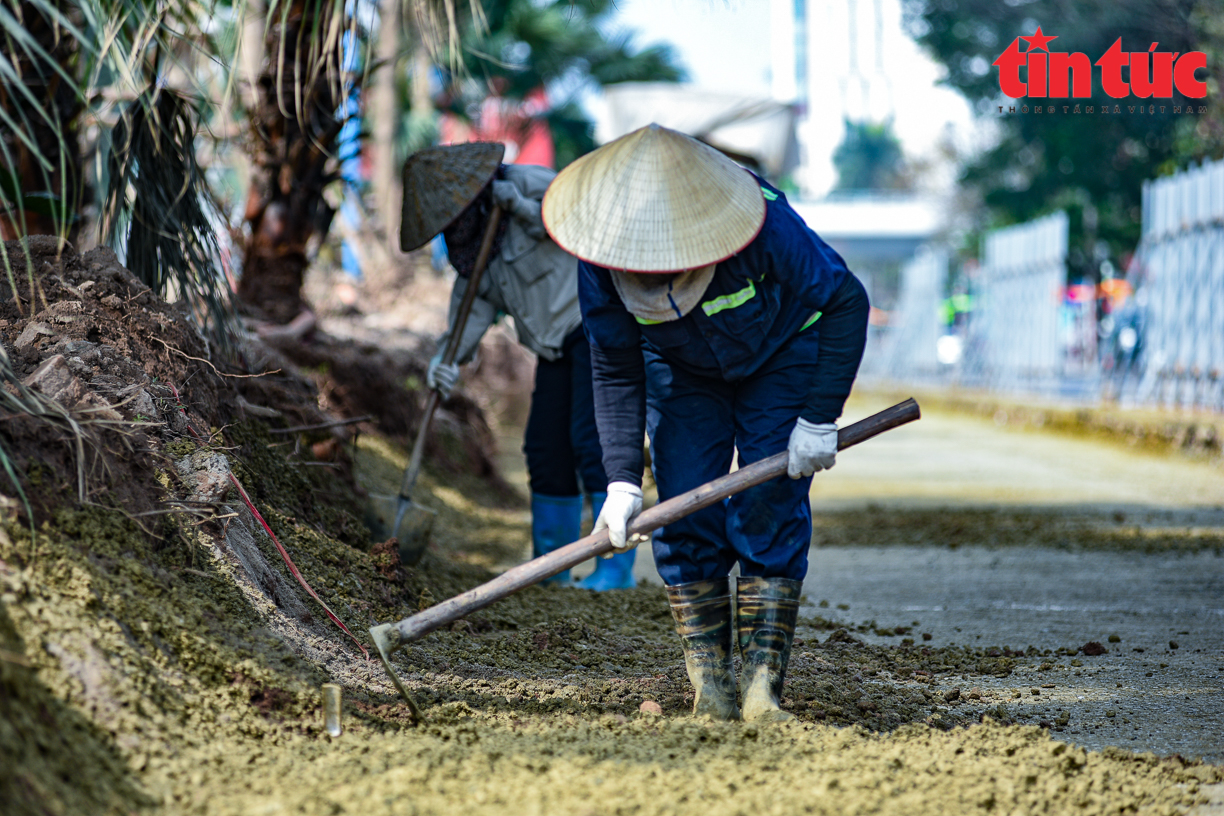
{"type": "Point", "coordinates": [139, 588]}
{"type": "Point", "coordinates": [91, 352]}
{"type": "Point", "coordinates": [85, 333]}
{"type": "Point", "coordinates": [363, 379]}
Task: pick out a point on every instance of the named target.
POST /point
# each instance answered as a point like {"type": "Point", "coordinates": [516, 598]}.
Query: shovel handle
{"type": "Point", "coordinates": [559, 560]}
{"type": "Point", "coordinates": [452, 350]}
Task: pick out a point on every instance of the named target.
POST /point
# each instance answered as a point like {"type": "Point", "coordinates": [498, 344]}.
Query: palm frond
{"type": "Point", "coordinates": [39, 103]}
{"type": "Point", "coordinates": [159, 211]}
{"type": "Point", "coordinates": [439, 23]}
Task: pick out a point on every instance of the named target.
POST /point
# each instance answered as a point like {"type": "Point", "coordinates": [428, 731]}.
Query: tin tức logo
{"type": "Point", "coordinates": [1059, 74]}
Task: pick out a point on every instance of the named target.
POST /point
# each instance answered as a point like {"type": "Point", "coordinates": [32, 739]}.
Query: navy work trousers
{"type": "Point", "coordinates": [561, 442]}
{"type": "Point", "coordinates": [696, 422]}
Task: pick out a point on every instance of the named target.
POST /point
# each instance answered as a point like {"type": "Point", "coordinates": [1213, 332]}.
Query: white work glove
{"type": "Point", "coordinates": [441, 376]}
{"type": "Point", "coordinates": [624, 502]}
{"type": "Point", "coordinates": [813, 447]}
{"type": "Point", "coordinates": [505, 195]}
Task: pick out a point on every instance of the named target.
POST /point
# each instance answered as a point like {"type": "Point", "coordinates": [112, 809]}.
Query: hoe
{"type": "Point", "coordinates": [391, 636]}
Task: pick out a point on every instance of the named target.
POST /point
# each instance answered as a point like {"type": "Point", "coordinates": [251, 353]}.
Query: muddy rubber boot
{"type": "Point", "coordinates": [702, 611]}
{"type": "Point", "coordinates": [555, 522]}
{"type": "Point", "coordinates": [610, 573]}
{"type": "Point", "coordinates": [765, 613]}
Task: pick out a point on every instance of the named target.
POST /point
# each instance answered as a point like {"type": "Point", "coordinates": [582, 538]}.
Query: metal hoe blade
{"type": "Point", "coordinates": [382, 640]}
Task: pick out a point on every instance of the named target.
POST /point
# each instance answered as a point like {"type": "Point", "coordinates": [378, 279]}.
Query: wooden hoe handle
{"type": "Point", "coordinates": [392, 636]}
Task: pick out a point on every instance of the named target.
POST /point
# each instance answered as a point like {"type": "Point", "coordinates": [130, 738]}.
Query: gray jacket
{"type": "Point", "coordinates": [531, 279]}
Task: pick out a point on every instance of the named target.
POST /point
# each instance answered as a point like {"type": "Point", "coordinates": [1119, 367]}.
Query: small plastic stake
{"type": "Point", "coordinates": [331, 709]}
{"type": "Point", "coordinates": [382, 641]}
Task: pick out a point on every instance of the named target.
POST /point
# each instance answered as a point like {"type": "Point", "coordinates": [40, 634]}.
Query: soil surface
{"type": "Point", "coordinates": [158, 654]}
{"type": "Point", "coordinates": [971, 530]}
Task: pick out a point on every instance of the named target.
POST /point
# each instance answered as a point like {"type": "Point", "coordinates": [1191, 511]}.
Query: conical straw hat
{"type": "Point", "coordinates": [439, 183]}
{"type": "Point", "coordinates": [654, 200]}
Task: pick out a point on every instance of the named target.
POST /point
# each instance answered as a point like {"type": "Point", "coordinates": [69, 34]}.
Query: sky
{"type": "Point", "coordinates": [726, 45]}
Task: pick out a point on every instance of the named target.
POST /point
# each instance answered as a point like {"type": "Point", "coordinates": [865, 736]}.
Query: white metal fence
{"type": "Point", "coordinates": [1014, 340]}
{"type": "Point", "coordinates": [1162, 346]}
{"type": "Point", "coordinates": [1011, 341]}
{"type": "Point", "coordinates": [1179, 278]}
{"type": "Point", "coordinates": [909, 350]}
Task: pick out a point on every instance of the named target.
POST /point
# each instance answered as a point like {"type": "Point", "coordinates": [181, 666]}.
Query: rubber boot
{"type": "Point", "coordinates": [610, 573]}
{"type": "Point", "coordinates": [765, 614]}
{"type": "Point", "coordinates": [702, 611]}
{"type": "Point", "coordinates": [555, 522]}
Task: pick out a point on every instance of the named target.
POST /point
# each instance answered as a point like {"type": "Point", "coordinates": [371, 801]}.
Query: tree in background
{"type": "Point", "coordinates": [40, 169]}
{"type": "Point", "coordinates": [518, 47]}
{"type": "Point", "coordinates": [1092, 166]}
{"type": "Point", "coordinates": [105, 68]}
{"type": "Point", "coordinates": [148, 78]}
{"type": "Point", "coordinates": [870, 158]}
{"type": "Point", "coordinates": [294, 126]}
{"type": "Point", "coordinates": [1203, 137]}
{"type": "Point", "coordinates": [528, 48]}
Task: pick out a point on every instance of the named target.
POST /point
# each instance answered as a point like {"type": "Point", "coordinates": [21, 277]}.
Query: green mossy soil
{"type": "Point", "coordinates": [170, 664]}
{"type": "Point", "coordinates": [151, 680]}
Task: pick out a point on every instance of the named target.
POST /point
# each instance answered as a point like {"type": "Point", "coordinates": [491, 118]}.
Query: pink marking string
{"type": "Point", "coordinates": [284, 553]}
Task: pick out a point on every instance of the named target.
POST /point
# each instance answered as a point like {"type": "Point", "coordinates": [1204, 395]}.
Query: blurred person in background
{"type": "Point", "coordinates": [718, 322]}
{"type": "Point", "coordinates": [452, 190]}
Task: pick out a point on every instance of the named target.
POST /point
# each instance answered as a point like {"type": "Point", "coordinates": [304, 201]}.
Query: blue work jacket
{"type": "Point", "coordinates": [758, 299]}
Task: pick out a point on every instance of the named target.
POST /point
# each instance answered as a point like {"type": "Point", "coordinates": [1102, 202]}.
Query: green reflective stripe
{"type": "Point", "coordinates": [718, 304]}
{"type": "Point", "coordinates": [810, 321]}
{"type": "Point", "coordinates": [770, 195]}
{"type": "Point", "coordinates": [646, 321]}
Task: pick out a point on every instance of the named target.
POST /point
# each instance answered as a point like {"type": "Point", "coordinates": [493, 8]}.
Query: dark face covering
{"type": "Point", "coordinates": [464, 235]}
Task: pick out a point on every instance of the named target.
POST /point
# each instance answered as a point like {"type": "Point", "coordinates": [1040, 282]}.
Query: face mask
{"type": "Point", "coordinates": [465, 233]}
{"type": "Point", "coordinates": [660, 298]}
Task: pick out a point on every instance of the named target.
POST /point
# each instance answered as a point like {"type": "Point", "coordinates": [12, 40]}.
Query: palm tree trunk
{"type": "Point", "coordinates": [294, 127]}
{"type": "Point", "coordinates": [40, 183]}
{"type": "Point", "coordinates": [383, 104]}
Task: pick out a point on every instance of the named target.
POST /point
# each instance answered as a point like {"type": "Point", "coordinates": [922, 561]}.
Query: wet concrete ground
{"type": "Point", "coordinates": [1142, 695]}
{"type": "Point", "coordinates": [1162, 699]}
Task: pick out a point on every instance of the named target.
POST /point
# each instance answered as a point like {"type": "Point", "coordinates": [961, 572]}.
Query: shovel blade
{"type": "Point", "coordinates": [411, 524]}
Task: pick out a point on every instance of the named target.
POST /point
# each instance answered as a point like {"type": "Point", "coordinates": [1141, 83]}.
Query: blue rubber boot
{"type": "Point", "coordinates": [555, 522]}
{"type": "Point", "coordinates": [610, 573]}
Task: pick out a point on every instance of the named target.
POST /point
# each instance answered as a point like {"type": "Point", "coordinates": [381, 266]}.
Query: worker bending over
{"type": "Point", "coordinates": [717, 321]}
{"type": "Point", "coordinates": [453, 189]}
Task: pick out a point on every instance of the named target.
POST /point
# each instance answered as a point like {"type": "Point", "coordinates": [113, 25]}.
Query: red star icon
{"type": "Point", "coordinates": [1038, 41]}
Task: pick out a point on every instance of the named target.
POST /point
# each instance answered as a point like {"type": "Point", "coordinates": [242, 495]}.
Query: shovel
{"type": "Point", "coordinates": [413, 522]}
{"type": "Point", "coordinates": [391, 636]}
